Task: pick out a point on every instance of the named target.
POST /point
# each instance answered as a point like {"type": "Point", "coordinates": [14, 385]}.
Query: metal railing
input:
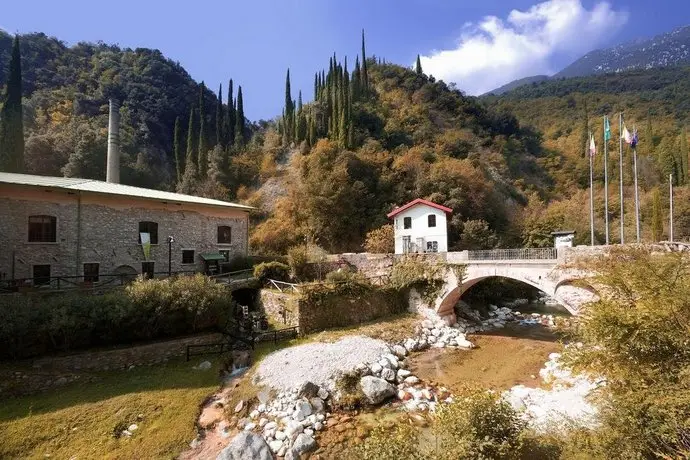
{"type": "Point", "coordinates": [514, 254]}
{"type": "Point", "coordinates": [282, 286]}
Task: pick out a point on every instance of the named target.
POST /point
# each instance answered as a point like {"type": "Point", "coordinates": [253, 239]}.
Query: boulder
{"type": "Point", "coordinates": [275, 446]}
{"type": "Point", "coordinates": [308, 390]}
{"type": "Point", "coordinates": [402, 373]}
{"type": "Point", "coordinates": [376, 368]}
{"type": "Point", "coordinates": [303, 444]}
{"type": "Point", "coordinates": [388, 374]}
{"type": "Point", "coordinates": [411, 380]}
{"type": "Point", "coordinates": [375, 389]}
{"type": "Point", "coordinates": [302, 410]}
{"type": "Point", "coordinates": [399, 351]}
{"type": "Point", "coordinates": [204, 366]}
{"type": "Point", "coordinates": [462, 342]}
{"type": "Point", "coordinates": [323, 393]}
{"type": "Point", "coordinates": [246, 446]}
{"type": "Point", "coordinates": [317, 405]}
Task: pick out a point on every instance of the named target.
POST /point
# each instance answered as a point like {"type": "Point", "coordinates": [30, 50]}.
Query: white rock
{"type": "Point", "coordinates": [323, 393]}
{"type": "Point", "coordinates": [411, 380]}
{"type": "Point", "coordinates": [402, 373]}
{"type": "Point", "coordinates": [376, 368]}
{"type": "Point", "coordinates": [253, 414]}
{"type": "Point", "coordinates": [204, 366]}
{"type": "Point", "coordinates": [399, 351]}
{"type": "Point", "coordinates": [280, 435]}
{"type": "Point", "coordinates": [275, 446]}
{"type": "Point", "coordinates": [317, 405]}
{"type": "Point", "coordinates": [249, 426]}
{"type": "Point", "coordinates": [262, 422]}
{"type": "Point", "coordinates": [293, 429]}
{"type": "Point", "coordinates": [388, 374]}
{"type": "Point", "coordinates": [302, 410]}
{"type": "Point", "coordinates": [384, 363]}
{"type": "Point", "coordinates": [320, 417]}
{"type": "Point", "coordinates": [318, 426]}
{"type": "Point", "coordinates": [132, 427]}
{"type": "Point", "coordinates": [309, 432]}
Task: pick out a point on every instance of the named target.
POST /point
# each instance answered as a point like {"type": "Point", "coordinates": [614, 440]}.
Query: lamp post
{"type": "Point", "coordinates": [171, 240]}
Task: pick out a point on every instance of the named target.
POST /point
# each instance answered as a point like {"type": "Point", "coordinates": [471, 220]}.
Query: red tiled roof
{"type": "Point", "coordinates": [416, 202]}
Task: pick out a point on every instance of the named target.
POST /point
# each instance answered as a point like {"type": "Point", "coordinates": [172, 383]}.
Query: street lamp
{"type": "Point", "coordinates": [171, 240]}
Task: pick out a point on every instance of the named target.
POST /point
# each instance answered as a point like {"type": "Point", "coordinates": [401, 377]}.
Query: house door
{"type": "Point", "coordinates": [147, 269]}
{"type": "Point", "coordinates": [407, 242]}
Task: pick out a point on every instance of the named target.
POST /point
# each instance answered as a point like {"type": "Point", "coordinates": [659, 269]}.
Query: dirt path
{"type": "Point", "coordinates": [503, 358]}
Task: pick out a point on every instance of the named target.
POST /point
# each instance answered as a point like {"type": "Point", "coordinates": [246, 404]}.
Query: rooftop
{"type": "Point", "coordinates": [416, 202]}
{"type": "Point", "coordinates": [108, 188]}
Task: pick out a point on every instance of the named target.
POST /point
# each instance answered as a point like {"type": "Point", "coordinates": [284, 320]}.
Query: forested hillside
{"type": "Point", "coordinates": [66, 91]}
{"type": "Point", "coordinates": [656, 102]}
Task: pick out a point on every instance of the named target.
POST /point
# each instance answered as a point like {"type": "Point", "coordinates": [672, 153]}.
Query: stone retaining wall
{"type": "Point", "coordinates": [44, 373]}
{"type": "Point", "coordinates": [279, 307]}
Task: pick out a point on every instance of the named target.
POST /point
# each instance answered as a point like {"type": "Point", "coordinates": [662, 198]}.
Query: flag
{"type": "Point", "coordinates": [634, 139]}
{"type": "Point", "coordinates": [592, 146]}
{"type": "Point", "coordinates": [146, 244]}
{"type": "Point", "coordinates": [607, 129]}
{"type": "Point", "coordinates": [626, 136]}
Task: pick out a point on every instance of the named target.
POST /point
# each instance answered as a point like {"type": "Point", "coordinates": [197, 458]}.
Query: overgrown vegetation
{"type": "Point", "coordinates": [422, 274]}
{"type": "Point", "coordinates": [380, 240]}
{"type": "Point", "coordinates": [146, 309]}
{"type": "Point", "coordinates": [272, 270]}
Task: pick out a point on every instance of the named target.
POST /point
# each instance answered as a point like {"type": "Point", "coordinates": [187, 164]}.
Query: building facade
{"type": "Point", "coordinates": [420, 226]}
{"type": "Point", "coordinates": [63, 227]}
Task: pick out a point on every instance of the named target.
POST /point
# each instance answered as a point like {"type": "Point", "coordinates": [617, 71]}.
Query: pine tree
{"type": "Point", "coordinates": [230, 125]}
{"type": "Point", "coordinates": [365, 75]}
{"type": "Point", "coordinates": [189, 181]}
{"type": "Point", "coordinates": [657, 218]}
{"type": "Point", "coordinates": [202, 163]}
{"type": "Point", "coordinates": [11, 117]}
{"type": "Point", "coordinates": [220, 118]}
{"type": "Point", "coordinates": [418, 66]}
{"type": "Point", "coordinates": [177, 149]}
{"type": "Point", "coordinates": [685, 155]}
{"type": "Point", "coordinates": [239, 120]}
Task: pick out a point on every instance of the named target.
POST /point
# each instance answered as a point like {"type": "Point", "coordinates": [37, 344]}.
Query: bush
{"type": "Point", "coordinates": [31, 325]}
{"type": "Point", "coordinates": [272, 270]}
{"type": "Point", "coordinates": [344, 275]}
{"type": "Point", "coordinates": [298, 259]}
{"type": "Point", "coordinates": [380, 240]}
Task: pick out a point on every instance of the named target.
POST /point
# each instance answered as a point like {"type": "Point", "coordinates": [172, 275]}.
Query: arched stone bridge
{"type": "Point", "coordinates": [542, 268]}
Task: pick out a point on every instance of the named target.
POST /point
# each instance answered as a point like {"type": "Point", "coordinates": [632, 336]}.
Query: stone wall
{"type": "Point", "coordinates": [341, 309]}
{"type": "Point", "coordinates": [280, 307]}
{"type": "Point", "coordinates": [49, 372]}
{"type": "Point", "coordinates": [105, 230]}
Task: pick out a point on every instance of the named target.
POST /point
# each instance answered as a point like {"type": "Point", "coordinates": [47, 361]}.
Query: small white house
{"type": "Point", "coordinates": [420, 226]}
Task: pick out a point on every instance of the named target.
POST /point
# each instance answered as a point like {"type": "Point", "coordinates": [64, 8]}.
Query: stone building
{"type": "Point", "coordinates": [69, 227]}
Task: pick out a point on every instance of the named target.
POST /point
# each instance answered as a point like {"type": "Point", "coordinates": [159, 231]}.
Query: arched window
{"type": "Point", "coordinates": [151, 228]}
{"type": "Point", "coordinates": [432, 220]}
{"type": "Point", "coordinates": [224, 234]}
{"type": "Point", "coordinates": [42, 229]}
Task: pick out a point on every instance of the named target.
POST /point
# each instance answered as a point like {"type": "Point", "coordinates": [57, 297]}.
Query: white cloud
{"type": "Point", "coordinates": [495, 51]}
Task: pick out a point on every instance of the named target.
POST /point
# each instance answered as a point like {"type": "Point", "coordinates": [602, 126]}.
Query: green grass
{"type": "Point", "coordinates": [79, 420]}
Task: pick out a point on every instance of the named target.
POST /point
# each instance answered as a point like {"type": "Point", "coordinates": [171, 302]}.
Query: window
{"type": "Point", "coordinates": [432, 220]}
{"type": "Point", "coordinates": [147, 269]}
{"type": "Point", "coordinates": [41, 275]}
{"type": "Point", "coordinates": [225, 253]}
{"type": "Point", "coordinates": [432, 246]}
{"type": "Point", "coordinates": [407, 242]}
{"type": "Point", "coordinates": [407, 222]}
{"type": "Point", "coordinates": [91, 273]}
{"type": "Point", "coordinates": [224, 234]}
{"type": "Point", "coordinates": [42, 229]}
{"type": "Point", "coordinates": [188, 256]}
{"type": "Point", "coordinates": [151, 228]}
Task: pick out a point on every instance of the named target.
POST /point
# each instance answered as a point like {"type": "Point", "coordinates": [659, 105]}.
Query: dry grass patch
{"type": "Point", "coordinates": [389, 329]}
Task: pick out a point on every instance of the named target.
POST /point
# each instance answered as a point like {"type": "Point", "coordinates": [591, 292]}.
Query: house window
{"type": "Point", "coordinates": [407, 243]}
{"type": "Point", "coordinates": [432, 246]}
{"type": "Point", "coordinates": [407, 222]}
{"type": "Point", "coordinates": [188, 256]}
{"type": "Point", "coordinates": [42, 229]}
{"type": "Point", "coordinates": [147, 269]}
{"type": "Point", "coordinates": [151, 228]}
{"type": "Point", "coordinates": [91, 273]}
{"type": "Point", "coordinates": [224, 234]}
{"type": "Point", "coordinates": [432, 220]}
{"type": "Point", "coordinates": [226, 254]}
{"type": "Point", "coordinates": [41, 275]}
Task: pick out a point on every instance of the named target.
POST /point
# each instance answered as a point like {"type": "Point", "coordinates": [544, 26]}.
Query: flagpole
{"type": "Point", "coordinates": [591, 193]}
{"type": "Point", "coordinates": [637, 196]}
{"type": "Point", "coordinates": [670, 187]}
{"type": "Point", "coordinates": [606, 183]}
{"type": "Point", "coordinates": [620, 142]}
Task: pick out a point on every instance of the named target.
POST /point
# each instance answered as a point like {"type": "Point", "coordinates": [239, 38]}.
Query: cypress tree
{"type": "Point", "coordinates": [202, 163]}
{"type": "Point", "coordinates": [365, 75]}
{"type": "Point", "coordinates": [316, 87]}
{"type": "Point", "coordinates": [342, 131]}
{"type": "Point", "coordinates": [356, 79]}
{"type": "Point", "coordinates": [11, 122]}
{"type": "Point", "coordinates": [685, 154]}
{"type": "Point", "coordinates": [418, 67]}
{"type": "Point", "coordinates": [191, 139]}
{"type": "Point", "coordinates": [230, 125]}
{"type": "Point", "coordinates": [177, 149]}
{"type": "Point", "coordinates": [189, 178]}
{"type": "Point", "coordinates": [289, 109]}
{"type": "Point", "coordinates": [239, 119]}
{"type": "Point", "coordinates": [584, 135]}
{"type": "Point", "coordinates": [220, 118]}
{"type": "Point", "coordinates": [657, 219]}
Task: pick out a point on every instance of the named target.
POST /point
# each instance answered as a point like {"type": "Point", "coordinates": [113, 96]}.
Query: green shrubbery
{"type": "Point", "coordinates": [272, 270]}
{"type": "Point", "coordinates": [37, 324]}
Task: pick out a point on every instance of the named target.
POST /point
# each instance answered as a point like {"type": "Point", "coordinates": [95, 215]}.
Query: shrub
{"type": "Point", "coordinates": [344, 275]}
{"type": "Point", "coordinates": [396, 443]}
{"type": "Point", "coordinates": [147, 309]}
{"type": "Point", "coordinates": [380, 240]}
{"type": "Point", "coordinates": [298, 259]}
{"type": "Point", "coordinates": [272, 270]}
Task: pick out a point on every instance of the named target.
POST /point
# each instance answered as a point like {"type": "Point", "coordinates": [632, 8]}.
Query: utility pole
{"type": "Point", "coordinates": [590, 152]}
{"type": "Point", "coordinates": [670, 217]}
{"type": "Point", "coordinates": [620, 142]}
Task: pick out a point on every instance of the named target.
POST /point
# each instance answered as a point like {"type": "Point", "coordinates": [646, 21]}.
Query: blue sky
{"type": "Point", "coordinates": [477, 44]}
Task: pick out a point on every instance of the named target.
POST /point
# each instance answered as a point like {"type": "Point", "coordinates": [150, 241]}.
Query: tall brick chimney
{"type": "Point", "coordinates": [112, 173]}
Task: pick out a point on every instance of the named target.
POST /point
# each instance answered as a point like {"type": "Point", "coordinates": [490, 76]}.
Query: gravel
{"type": "Point", "coordinates": [318, 362]}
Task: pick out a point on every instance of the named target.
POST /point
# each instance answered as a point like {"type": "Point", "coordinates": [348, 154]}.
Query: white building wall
{"type": "Point", "coordinates": [419, 214]}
